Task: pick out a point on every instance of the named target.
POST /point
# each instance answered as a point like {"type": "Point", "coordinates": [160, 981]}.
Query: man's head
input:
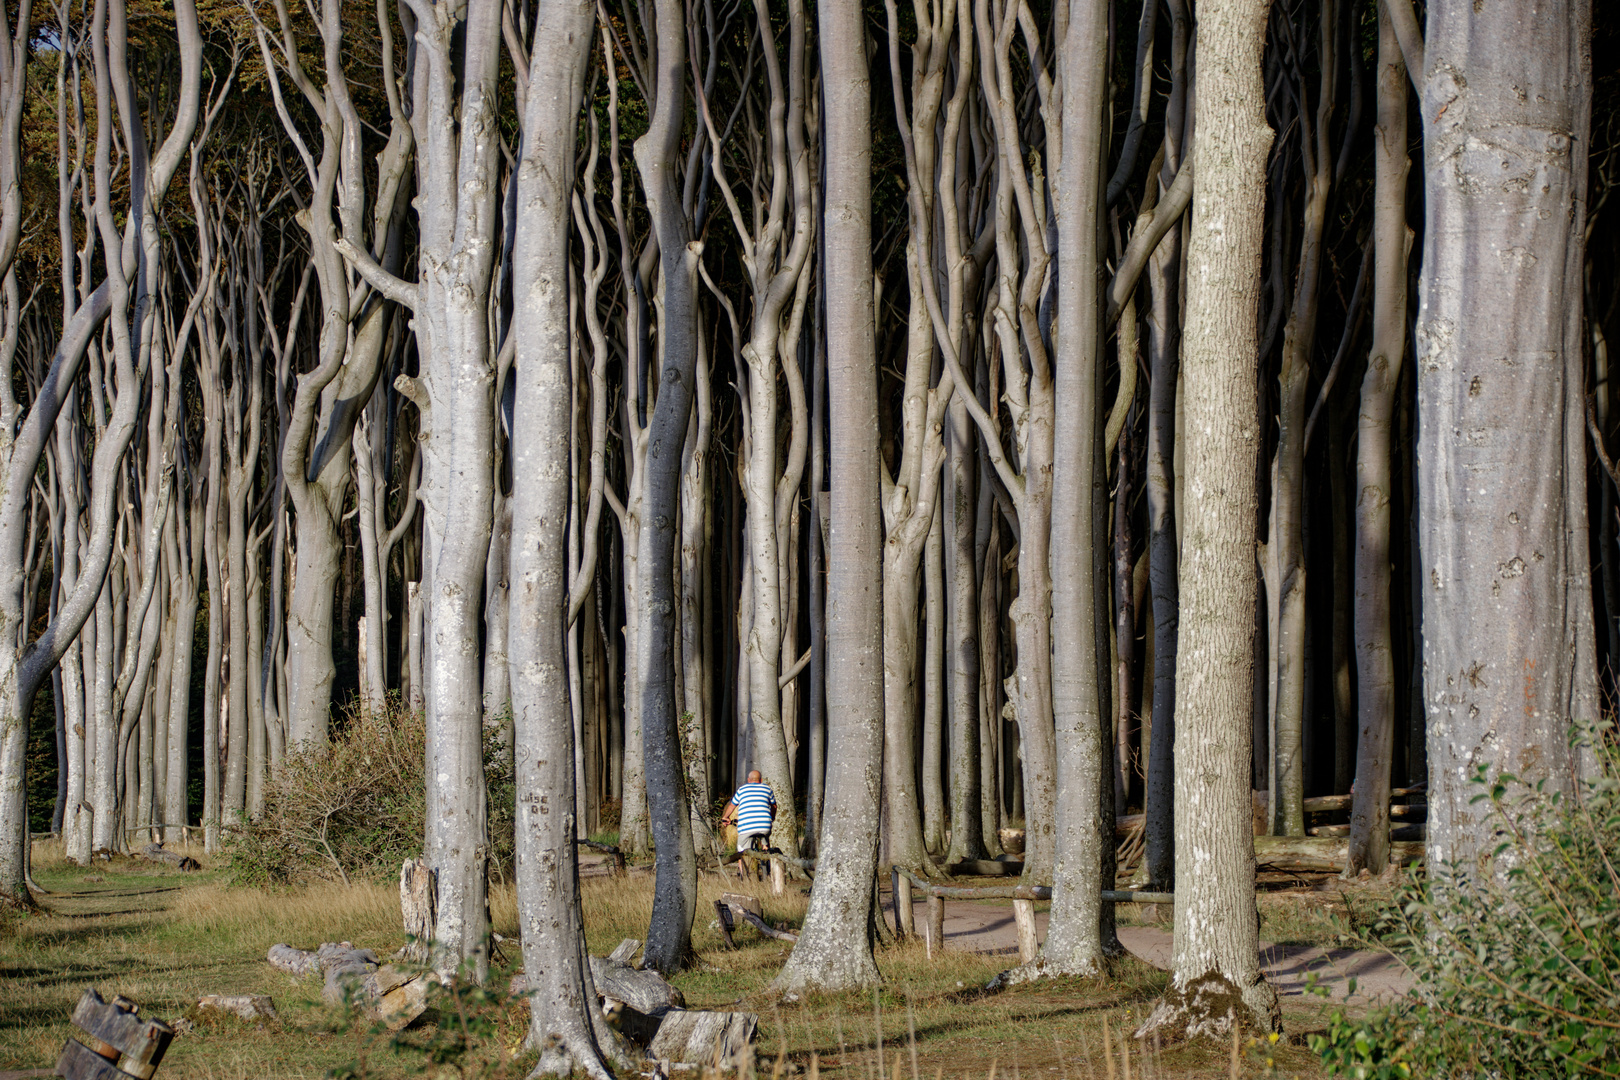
{"type": "Point", "coordinates": [754, 777]}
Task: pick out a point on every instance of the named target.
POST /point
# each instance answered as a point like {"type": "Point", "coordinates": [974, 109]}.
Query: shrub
{"type": "Point", "coordinates": [356, 808]}
{"type": "Point", "coordinates": [1517, 975]}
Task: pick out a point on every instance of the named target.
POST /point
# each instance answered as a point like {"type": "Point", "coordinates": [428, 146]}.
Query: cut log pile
{"type": "Point", "coordinates": [653, 1016]}
{"type": "Point", "coordinates": [158, 853]}
{"type": "Point", "coordinates": [394, 995]}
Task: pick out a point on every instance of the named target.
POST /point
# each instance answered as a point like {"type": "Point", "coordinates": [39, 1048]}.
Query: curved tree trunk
{"type": "Point", "coordinates": [669, 934]}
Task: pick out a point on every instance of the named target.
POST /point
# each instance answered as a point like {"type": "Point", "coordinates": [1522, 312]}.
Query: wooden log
{"type": "Point", "coordinates": [765, 928]}
{"type": "Point", "coordinates": [1133, 896]}
{"type": "Point", "coordinates": [115, 1033]}
{"type": "Point", "coordinates": [606, 849]}
{"type": "Point", "coordinates": [1028, 945]}
{"type": "Point", "coordinates": [249, 1007]}
{"type": "Point", "coordinates": [692, 1037]}
{"type": "Point", "coordinates": [401, 995]}
{"type": "Point", "coordinates": [807, 865]}
{"type": "Point", "coordinates": [631, 1022]}
{"type": "Point", "coordinates": [1321, 854]}
{"type": "Point", "coordinates": [417, 897]}
{"type": "Point", "coordinates": [625, 951]}
{"type": "Point", "coordinates": [79, 1062]}
{"type": "Point", "coordinates": [644, 991]}
{"type": "Point", "coordinates": [293, 961]}
{"type": "Point", "coordinates": [985, 892]}
{"type": "Point", "coordinates": [158, 853]}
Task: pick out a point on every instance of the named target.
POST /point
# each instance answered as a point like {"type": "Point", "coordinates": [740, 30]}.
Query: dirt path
{"type": "Point", "coordinates": [988, 928]}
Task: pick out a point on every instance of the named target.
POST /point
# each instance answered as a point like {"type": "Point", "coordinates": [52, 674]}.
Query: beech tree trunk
{"type": "Point", "coordinates": [669, 934]}
{"type": "Point", "coordinates": [1375, 658]}
{"type": "Point", "coordinates": [1507, 607]}
{"type": "Point", "coordinates": [834, 951]}
{"type": "Point", "coordinates": [1216, 940]}
{"type": "Point", "coordinates": [564, 1021]}
{"type": "Point", "coordinates": [1074, 943]}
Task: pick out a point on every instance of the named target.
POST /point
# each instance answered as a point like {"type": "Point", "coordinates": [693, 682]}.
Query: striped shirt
{"type": "Point", "coordinates": [756, 807]}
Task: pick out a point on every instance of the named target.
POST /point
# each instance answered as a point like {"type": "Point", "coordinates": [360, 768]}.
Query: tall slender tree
{"type": "Point", "coordinates": [835, 947]}
{"type": "Point", "coordinates": [1216, 954]}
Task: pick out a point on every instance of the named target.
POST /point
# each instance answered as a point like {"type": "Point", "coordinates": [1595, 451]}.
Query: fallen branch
{"type": "Point", "coordinates": [763, 927]}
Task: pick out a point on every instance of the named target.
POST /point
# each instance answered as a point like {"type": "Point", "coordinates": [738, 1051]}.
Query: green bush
{"type": "Point", "coordinates": [356, 808]}
{"type": "Point", "coordinates": [1517, 975]}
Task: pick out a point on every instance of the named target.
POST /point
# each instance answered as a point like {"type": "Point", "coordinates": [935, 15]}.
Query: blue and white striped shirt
{"type": "Point", "coordinates": [756, 806]}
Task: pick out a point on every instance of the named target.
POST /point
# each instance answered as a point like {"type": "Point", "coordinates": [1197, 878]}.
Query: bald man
{"type": "Point", "coordinates": [752, 809]}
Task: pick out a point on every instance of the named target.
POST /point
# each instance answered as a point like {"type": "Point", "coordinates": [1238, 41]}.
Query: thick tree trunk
{"type": "Point", "coordinates": [564, 1022]}
{"type": "Point", "coordinates": [834, 951]}
{"type": "Point", "coordinates": [1375, 657]}
{"type": "Point", "coordinates": [1507, 608]}
{"type": "Point", "coordinates": [1216, 946]}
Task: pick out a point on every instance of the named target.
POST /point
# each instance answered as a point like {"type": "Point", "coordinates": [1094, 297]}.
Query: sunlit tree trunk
{"type": "Point", "coordinates": [1216, 948]}
{"type": "Point", "coordinates": [1507, 606]}
{"type": "Point", "coordinates": [834, 951]}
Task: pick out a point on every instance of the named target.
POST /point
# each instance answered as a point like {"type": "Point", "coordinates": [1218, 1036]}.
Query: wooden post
{"type": "Point", "coordinates": [360, 663]}
{"type": "Point", "coordinates": [413, 644]}
{"type": "Point", "coordinates": [936, 921]}
{"type": "Point", "coordinates": [778, 878]}
{"type": "Point", "coordinates": [1024, 916]}
{"type": "Point", "coordinates": [905, 920]}
{"type": "Point", "coordinates": [724, 913]}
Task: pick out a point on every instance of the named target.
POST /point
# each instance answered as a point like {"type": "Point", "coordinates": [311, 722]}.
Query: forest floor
{"type": "Point", "coordinates": [165, 938]}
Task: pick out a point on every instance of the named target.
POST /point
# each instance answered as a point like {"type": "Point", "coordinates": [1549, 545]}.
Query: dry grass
{"type": "Point", "coordinates": [164, 939]}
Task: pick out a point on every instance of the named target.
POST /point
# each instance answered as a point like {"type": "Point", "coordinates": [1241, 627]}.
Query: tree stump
{"type": "Point", "coordinates": [704, 1038]}
{"type": "Point", "coordinates": [416, 906]}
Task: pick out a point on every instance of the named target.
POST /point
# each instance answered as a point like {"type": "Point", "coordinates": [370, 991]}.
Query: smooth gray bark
{"type": "Point", "coordinates": [669, 933]}
{"type": "Point", "coordinates": [564, 1022]}
{"type": "Point", "coordinates": [834, 951]}
{"type": "Point", "coordinates": [1507, 608]}
{"type": "Point", "coordinates": [1074, 943]}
